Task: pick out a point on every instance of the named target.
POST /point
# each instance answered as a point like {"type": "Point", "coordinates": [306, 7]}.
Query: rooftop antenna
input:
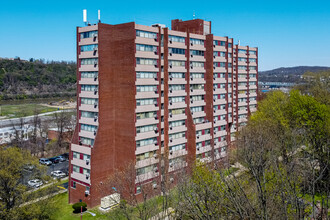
{"type": "Point", "coordinates": [99, 15]}
{"type": "Point", "coordinates": [239, 43]}
{"type": "Point", "coordinates": [85, 17]}
{"type": "Point", "coordinates": [194, 15]}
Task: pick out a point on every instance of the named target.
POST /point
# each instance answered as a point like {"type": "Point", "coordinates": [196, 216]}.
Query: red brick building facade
{"type": "Point", "coordinates": [150, 91]}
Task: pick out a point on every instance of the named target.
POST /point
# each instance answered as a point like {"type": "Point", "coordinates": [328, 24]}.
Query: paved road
{"type": "Point", "coordinates": [29, 119]}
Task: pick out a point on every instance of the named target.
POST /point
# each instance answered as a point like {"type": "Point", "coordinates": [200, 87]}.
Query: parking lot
{"type": "Point", "coordinates": [62, 166]}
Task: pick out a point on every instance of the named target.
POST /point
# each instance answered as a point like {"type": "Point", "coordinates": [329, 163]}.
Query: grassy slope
{"type": "Point", "coordinates": [15, 111]}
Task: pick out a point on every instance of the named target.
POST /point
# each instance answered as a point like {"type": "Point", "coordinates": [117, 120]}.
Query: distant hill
{"type": "Point", "coordinates": [20, 79]}
{"type": "Point", "coordinates": [288, 74]}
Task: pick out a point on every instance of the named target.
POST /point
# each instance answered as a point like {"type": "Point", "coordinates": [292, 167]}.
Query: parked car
{"type": "Point", "coordinates": [36, 183]}
{"type": "Point", "coordinates": [45, 161]}
{"type": "Point", "coordinates": [58, 174]}
{"type": "Point", "coordinates": [54, 159]}
{"type": "Point", "coordinates": [61, 158]}
{"type": "Point", "coordinates": [65, 155]}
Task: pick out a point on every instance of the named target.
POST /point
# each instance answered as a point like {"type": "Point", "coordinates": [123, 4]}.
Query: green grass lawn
{"type": "Point", "coordinates": [65, 210]}
{"type": "Point", "coordinates": [15, 111]}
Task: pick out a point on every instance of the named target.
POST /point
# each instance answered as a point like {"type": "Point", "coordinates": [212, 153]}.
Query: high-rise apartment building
{"type": "Point", "coordinates": [146, 91]}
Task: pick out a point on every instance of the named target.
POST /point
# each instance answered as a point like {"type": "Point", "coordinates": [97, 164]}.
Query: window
{"type": "Point", "coordinates": [175, 87]}
{"type": "Point", "coordinates": [89, 87]}
{"type": "Point", "coordinates": [241, 51]}
{"type": "Point", "coordinates": [253, 52]}
{"type": "Point", "coordinates": [88, 74]}
{"type": "Point", "coordinates": [197, 75]}
{"type": "Point", "coordinates": [75, 169]}
{"type": "Point", "coordinates": [86, 127]}
{"type": "Point", "coordinates": [146, 75]}
{"type": "Point", "coordinates": [146, 88]}
{"type": "Point", "coordinates": [73, 184]}
{"type": "Point", "coordinates": [177, 123]}
{"type": "Point", "coordinates": [230, 45]}
{"type": "Point", "coordinates": [177, 111]}
{"type": "Point", "coordinates": [146, 34]}
{"type": "Point", "coordinates": [88, 34]}
{"type": "Point", "coordinates": [146, 128]}
{"type": "Point", "coordinates": [146, 61]}
{"type": "Point", "coordinates": [177, 63]}
{"type": "Point", "coordinates": [87, 141]}
{"type": "Point", "coordinates": [145, 115]}
{"type": "Point", "coordinates": [176, 39]}
{"type": "Point", "coordinates": [140, 102]}
{"type": "Point", "coordinates": [86, 114]}
{"type": "Point", "coordinates": [196, 41]}
{"type": "Point", "coordinates": [176, 50]}
{"type": "Point", "coordinates": [197, 109]}
{"type": "Point", "coordinates": [177, 99]}
{"type": "Point", "coordinates": [197, 64]}
{"type": "Point", "coordinates": [177, 135]}
{"type": "Point", "coordinates": [177, 75]}
{"type": "Point", "coordinates": [241, 59]}
{"type": "Point", "coordinates": [178, 147]}
{"type": "Point", "coordinates": [253, 68]}
{"type": "Point", "coordinates": [76, 155]}
{"type": "Point", "coordinates": [89, 61]}
{"type": "Point", "coordinates": [88, 101]}
{"type": "Point", "coordinates": [199, 120]}
{"type": "Point", "coordinates": [197, 86]}
{"type": "Point", "coordinates": [143, 47]}
{"type": "Point", "coordinates": [138, 189]}
{"type": "Point", "coordinates": [85, 48]}
{"type": "Point", "coordinates": [86, 171]}
{"type": "Point", "coordinates": [197, 52]}
{"type": "Point", "coordinates": [145, 170]}
{"type": "Point", "coordinates": [146, 142]}
{"type": "Point", "coordinates": [252, 60]}
{"type": "Point", "coordinates": [196, 97]}
{"type": "Point", "coordinates": [145, 156]}
{"type": "Point", "coordinates": [86, 157]}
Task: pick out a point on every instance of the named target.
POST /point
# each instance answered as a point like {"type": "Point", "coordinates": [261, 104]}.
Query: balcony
{"type": "Point", "coordinates": [177, 117]}
{"type": "Point", "coordinates": [197, 92]}
{"type": "Point", "coordinates": [146, 121]}
{"type": "Point", "coordinates": [176, 105]}
{"type": "Point", "coordinates": [146, 176]}
{"type": "Point", "coordinates": [177, 153]}
{"type": "Point", "coordinates": [197, 103]}
{"type": "Point", "coordinates": [147, 54]}
{"type": "Point", "coordinates": [148, 41]}
{"type": "Point", "coordinates": [144, 95]}
{"type": "Point", "coordinates": [81, 149]}
{"type": "Point", "coordinates": [198, 114]}
{"type": "Point", "coordinates": [203, 149]}
{"type": "Point", "coordinates": [219, 133]}
{"type": "Point", "coordinates": [203, 126]}
{"type": "Point", "coordinates": [147, 148]}
{"type": "Point", "coordinates": [144, 135]}
{"type": "Point", "coordinates": [146, 162]}
{"type": "Point", "coordinates": [173, 93]}
{"type": "Point", "coordinates": [197, 81]}
{"type": "Point", "coordinates": [88, 81]}
{"type": "Point", "coordinates": [176, 81]}
{"type": "Point", "coordinates": [204, 137]}
{"type": "Point", "coordinates": [90, 121]}
{"type": "Point", "coordinates": [177, 141]}
{"type": "Point", "coordinates": [89, 108]}
{"type": "Point", "coordinates": [87, 134]}
{"type": "Point", "coordinates": [177, 129]}
{"type": "Point", "coordinates": [89, 94]}
{"type": "Point", "coordinates": [147, 81]}
{"type": "Point", "coordinates": [147, 68]}
{"type": "Point", "coordinates": [81, 163]}
{"type": "Point", "coordinates": [146, 108]}
{"type": "Point", "coordinates": [81, 177]}
{"type": "Point", "coordinates": [89, 68]}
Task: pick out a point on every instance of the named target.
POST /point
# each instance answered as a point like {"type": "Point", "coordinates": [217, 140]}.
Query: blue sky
{"type": "Point", "coordinates": [288, 33]}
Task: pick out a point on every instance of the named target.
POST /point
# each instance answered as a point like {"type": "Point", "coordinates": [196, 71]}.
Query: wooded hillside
{"type": "Point", "coordinates": [20, 79]}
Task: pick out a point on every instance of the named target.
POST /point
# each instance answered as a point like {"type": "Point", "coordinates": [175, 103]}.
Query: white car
{"type": "Point", "coordinates": [45, 161]}
{"type": "Point", "coordinates": [58, 174]}
{"type": "Point", "coordinates": [35, 183]}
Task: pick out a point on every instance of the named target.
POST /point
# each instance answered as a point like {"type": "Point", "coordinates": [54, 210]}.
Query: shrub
{"type": "Point", "coordinates": [77, 207]}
